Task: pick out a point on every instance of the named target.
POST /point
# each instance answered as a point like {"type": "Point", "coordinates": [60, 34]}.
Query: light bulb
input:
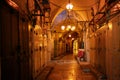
{"type": "Point", "coordinates": [69, 6]}
{"type": "Point", "coordinates": [62, 27]}
{"type": "Point", "coordinates": [73, 28]}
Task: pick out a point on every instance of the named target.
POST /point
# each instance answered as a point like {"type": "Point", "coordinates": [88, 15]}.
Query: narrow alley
{"type": "Point", "coordinates": [59, 39]}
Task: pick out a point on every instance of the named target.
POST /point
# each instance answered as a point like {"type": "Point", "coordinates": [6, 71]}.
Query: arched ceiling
{"type": "Point", "coordinates": [81, 7]}
{"type": "Point", "coordinates": [59, 14]}
{"type": "Point", "coordinates": [93, 12]}
{"type": "Point", "coordinates": [81, 11]}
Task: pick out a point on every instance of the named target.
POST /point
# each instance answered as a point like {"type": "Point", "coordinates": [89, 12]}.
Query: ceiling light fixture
{"type": "Point", "coordinates": [69, 35]}
{"type": "Point", "coordinates": [68, 27]}
{"type": "Point", "coordinates": [68, 24]}
{"type": "Point", "coordinates": [69, 6]}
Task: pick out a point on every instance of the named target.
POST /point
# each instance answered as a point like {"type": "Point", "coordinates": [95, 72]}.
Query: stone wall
{"type": "Point", "coordinates": [24, 48]}
{"type": "Point", "coordinates": [103, 46]}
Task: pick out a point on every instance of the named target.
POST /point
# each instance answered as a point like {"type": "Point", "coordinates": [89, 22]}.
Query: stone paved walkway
{"type": "Point", "coordinates": [67, 68]}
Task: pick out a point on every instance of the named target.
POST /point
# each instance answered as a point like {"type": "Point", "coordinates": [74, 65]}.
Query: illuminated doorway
{"type": "Point", "coordinates": [75, 47]}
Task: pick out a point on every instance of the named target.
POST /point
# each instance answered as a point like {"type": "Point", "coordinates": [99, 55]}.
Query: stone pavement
{"type": "Point", "coordinates": [44, 73]}
{"type": "Point", "coordinates": [67, 68]}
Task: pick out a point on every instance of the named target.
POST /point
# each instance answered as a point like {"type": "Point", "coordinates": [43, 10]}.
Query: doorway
{"type": "Point", "coordinates": [75, 47]}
